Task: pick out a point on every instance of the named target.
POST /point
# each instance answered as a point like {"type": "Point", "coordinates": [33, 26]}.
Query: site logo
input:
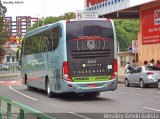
{"type": "Point", "coordinates": [91, 44]}
{"type": "Point", "coordinates": [157, 17]}
{"type": "Point", "coordinates": [13, 2]}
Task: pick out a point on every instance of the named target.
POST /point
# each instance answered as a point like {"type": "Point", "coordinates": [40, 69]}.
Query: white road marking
{"type": "Point", "coordinates": [156, 97]}
{"type": "Point", "coordinates": [158, 92]}
{"type": "Point", "coordinates": [22, 94]}
{"type": "Point", "coordinates": [78, 115]}
{"type": "Point", "coordinates": [149, 108]}
{"type": "Point", "coordinates": [140, 95]}
{"type": "Point", "coordinates": [2, 81]}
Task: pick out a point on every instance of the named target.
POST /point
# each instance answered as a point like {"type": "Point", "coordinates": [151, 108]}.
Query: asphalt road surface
{"type": "Point", "coordinates": [70, 106]}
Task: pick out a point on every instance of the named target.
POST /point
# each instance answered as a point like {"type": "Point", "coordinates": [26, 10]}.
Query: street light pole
{"type": "Point", "coordinates": [38, 19]}
{"type": "Point", "coordinates": [43, 12]}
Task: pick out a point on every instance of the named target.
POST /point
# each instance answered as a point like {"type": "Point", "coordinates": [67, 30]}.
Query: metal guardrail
{"type": "Point", "coordinates": [10, 69]}
{"type": "Point", "coordinates": [22, 109]}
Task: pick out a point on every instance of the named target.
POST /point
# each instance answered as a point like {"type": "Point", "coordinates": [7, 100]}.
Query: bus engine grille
{"type": "Point", "coordinates": [90, 54]}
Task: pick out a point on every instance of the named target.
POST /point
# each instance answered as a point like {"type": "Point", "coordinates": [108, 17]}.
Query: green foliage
{"type": "Point", "coordinates": [126, 31]}
{"type": "Point", "coordinates": [3, 39]}
{"type": "Point", "coordinates": [51, 19]}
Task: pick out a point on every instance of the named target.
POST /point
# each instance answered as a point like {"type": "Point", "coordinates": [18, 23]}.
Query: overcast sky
{"type": "Point", "coordinates": [40, 8]}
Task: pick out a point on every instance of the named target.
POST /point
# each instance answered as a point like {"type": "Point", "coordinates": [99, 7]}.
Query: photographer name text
{"type": "Point", "coordinates": [13, 2]}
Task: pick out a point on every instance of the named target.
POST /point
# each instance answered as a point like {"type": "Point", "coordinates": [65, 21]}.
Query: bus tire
{"type": "Point", "coordinates": [26, 83]}
{"type": "Point", "coordinates": [48, 89]}
{"type": "Point", "coordinates": [25, 79]}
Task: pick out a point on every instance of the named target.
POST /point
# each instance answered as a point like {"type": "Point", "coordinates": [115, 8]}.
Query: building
{"type": "Point", "coordinates": [8, 25]}
{"type": "Point", "coordinates": [10, 56]}
{"type": "Point", "coordinates": [148, 11]}
{"type": "Point", "coordinates": [19, 26]}
{"type": "Point", "coordinates": [16, 29]}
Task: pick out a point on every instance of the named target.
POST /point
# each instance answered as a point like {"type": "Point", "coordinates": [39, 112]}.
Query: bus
{"type": "Point", "coordinates": [78, 56]}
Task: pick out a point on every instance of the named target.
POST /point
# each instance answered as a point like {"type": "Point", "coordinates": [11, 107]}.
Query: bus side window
{"type": "Point", "coordinates": [27, 49]}
{"type": "Point", "coordinates": [56, 36]}
{"type": "Point", "coordinates": [60, 33]}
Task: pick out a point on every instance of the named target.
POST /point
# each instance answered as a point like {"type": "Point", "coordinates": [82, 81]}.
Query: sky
{"type": "Point", "coordinates": [41, 8]}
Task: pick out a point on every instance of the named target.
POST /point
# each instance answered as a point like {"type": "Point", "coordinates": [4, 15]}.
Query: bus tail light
{"type": "Point", "coordinates": [115, 69]}
{"type": "Point", "coordinates": [66, 74]}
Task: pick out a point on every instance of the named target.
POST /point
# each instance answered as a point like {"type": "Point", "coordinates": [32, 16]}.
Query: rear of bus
{"type": "Point", "coordinates": [91, 64]}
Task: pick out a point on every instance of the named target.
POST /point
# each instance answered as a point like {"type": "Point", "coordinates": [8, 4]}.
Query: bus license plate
{"type": "Point", "coordinates": [92, 85]}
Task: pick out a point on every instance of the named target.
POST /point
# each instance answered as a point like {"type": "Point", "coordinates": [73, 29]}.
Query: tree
{"type": "Point", "coordinates": [48, 20]}
{"type": "Point", "coordinates": [126, 31]}
{"type": "Point", "coordinates": [3, 39]}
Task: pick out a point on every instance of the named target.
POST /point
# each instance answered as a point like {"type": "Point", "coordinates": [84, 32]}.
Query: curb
{"type": "Point", "coordinates": [9, 75]}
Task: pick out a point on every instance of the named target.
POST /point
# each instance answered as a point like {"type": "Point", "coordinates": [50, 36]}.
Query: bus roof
{"type": "Point", "coordinates": [42, 28]}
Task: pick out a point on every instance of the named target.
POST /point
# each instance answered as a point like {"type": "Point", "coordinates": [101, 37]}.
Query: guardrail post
{"type": "Point", "coordinates": [22, 109]}
{"type": "Point", "coordinates": [0, 110]}
{"type": "Point", "coordinates": [8, 110]}
{"type": "Point", "coordinates": [21, 114]}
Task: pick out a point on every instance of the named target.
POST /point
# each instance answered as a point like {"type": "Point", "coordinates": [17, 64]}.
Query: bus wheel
{"type": "Point", "coordinates": [48, 89]}
{"type": "Point", "coordinates": [26, 83]}
{"type": "Point", "coordinates": [25, 79]}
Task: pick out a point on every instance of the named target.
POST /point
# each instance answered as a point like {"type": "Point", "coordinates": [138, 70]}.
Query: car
{"type": "Point", "coordinates": [3, 67]}
{"type": "Point", "coordinates": [143, 76]}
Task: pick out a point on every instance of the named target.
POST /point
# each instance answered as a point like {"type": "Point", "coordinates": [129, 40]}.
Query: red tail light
{"type": "Point", "coordinates": [115, 69]}
{"type": "Point", "coordinates": [149, 73]}
{"type": "Point", "coordinates": [66, 74]}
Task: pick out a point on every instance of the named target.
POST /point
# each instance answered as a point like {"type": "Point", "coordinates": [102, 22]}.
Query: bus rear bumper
{"type": "Point", "coordinates": [79, 87]}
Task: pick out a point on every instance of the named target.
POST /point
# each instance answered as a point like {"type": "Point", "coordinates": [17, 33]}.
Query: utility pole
{"type": "Point", "coordinates": [43, 12]}
{"type": "Point", "coordinates": [38, 19]}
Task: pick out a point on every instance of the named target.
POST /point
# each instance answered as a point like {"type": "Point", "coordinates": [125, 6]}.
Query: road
{"type": "Point", "coordinates": [70, 106]}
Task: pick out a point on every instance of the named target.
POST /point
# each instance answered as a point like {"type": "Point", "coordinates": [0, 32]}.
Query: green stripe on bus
{"type": "Point", "coordinates": [91, 78]}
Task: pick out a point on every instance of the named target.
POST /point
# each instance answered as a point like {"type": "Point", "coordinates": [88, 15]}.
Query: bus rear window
{"type": "Point", "coordinates": [89, 29]}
